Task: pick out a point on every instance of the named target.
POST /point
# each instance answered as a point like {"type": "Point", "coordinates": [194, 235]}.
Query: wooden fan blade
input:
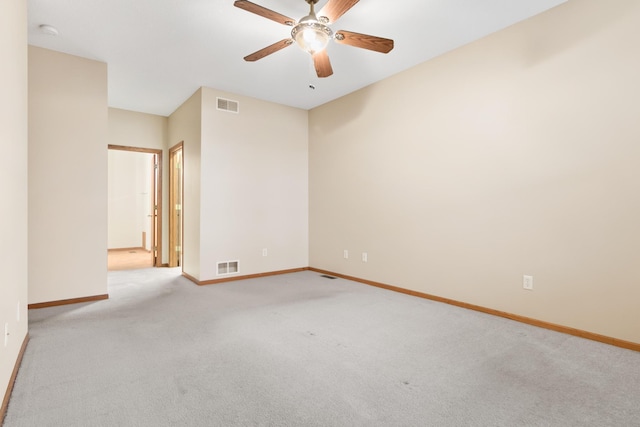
{"type": "Point", "coordinates": [268, 50]}
{"type": "Point", "coordinates": [334, 9]}
{"type": "Point", "coordinates": [322, 63]}
{"type": "Point", "coordinates": [264, 12]}
{"type": "Point", "coordinates": [364, 41]}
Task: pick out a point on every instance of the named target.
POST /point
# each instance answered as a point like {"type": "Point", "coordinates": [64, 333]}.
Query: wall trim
{"type": "Point", "coordinates": [139, 248]}
{"type": "Point", "coordinates": [12, 380]}
{"type": "Point", "coordinates": [68, 301]}
{"type": "Point", "coordinates": [534, 322]}
{"type": "Point", "coordinates": [248, 276]}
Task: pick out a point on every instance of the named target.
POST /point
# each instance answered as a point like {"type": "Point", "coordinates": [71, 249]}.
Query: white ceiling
{"type": "Point", "coordinates": [159, 52]}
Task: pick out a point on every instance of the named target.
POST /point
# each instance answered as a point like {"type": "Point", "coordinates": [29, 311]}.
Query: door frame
{"type": "Point", "coordinates": [174, 258]}
{"type": "Point", "coordinates": [156, 230]}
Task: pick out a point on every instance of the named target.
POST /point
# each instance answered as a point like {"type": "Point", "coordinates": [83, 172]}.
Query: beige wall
{"type": "Point", "coordinates": [67, 176]}
{"type": "Point", "coordinates": [185, 125]}
{"type": "Point", "coordinates": [134, 129]}
{"type": "Point", "coordinates": [141, 130]}
{"type": "Point", "coordinates": [517, 154]}
{"type": "Point", "coordinates": [246, 184]}
{"type": "Point", "coordinates": [13, 183]}
{"type": "Point", "coordinates": [254, 188]}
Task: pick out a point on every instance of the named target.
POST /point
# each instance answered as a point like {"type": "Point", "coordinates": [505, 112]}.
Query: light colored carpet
{"type": "Point", "coordinates": [303, 350]}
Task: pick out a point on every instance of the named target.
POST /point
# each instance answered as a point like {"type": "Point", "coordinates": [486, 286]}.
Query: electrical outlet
{"type": "Point", "coordinates": [346, 254]}
{"type": "Point", "coordinates": [527, 282]}
{"type": "Point", "coordinates": [365, 257]}
{"type": "Point", "coordinates": [264, 252]}
{"type": "Point", "coordinates": [6, 334]}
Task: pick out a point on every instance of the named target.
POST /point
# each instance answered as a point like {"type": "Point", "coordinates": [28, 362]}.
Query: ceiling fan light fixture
{"type": "Point", "coordinates": [311, 35]}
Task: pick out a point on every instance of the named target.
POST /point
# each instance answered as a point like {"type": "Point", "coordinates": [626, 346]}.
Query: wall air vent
{"type": "Point", "coordinates": [228, 105]}
{"type": "Point", "coordinates": [228, 267]}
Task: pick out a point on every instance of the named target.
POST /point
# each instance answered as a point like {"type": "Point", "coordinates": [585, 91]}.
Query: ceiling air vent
{"type": "Point", "coordinates": [228, 105]}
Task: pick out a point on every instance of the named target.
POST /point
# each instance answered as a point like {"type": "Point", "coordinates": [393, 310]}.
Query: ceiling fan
{"type": "Point", "coordinates": [312, 33]}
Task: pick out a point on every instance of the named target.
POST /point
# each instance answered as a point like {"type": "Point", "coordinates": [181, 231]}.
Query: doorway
{"type": "Point", "coordinates": [176, 189]}
{"type": "Point", "coordinates": [135, 208]}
